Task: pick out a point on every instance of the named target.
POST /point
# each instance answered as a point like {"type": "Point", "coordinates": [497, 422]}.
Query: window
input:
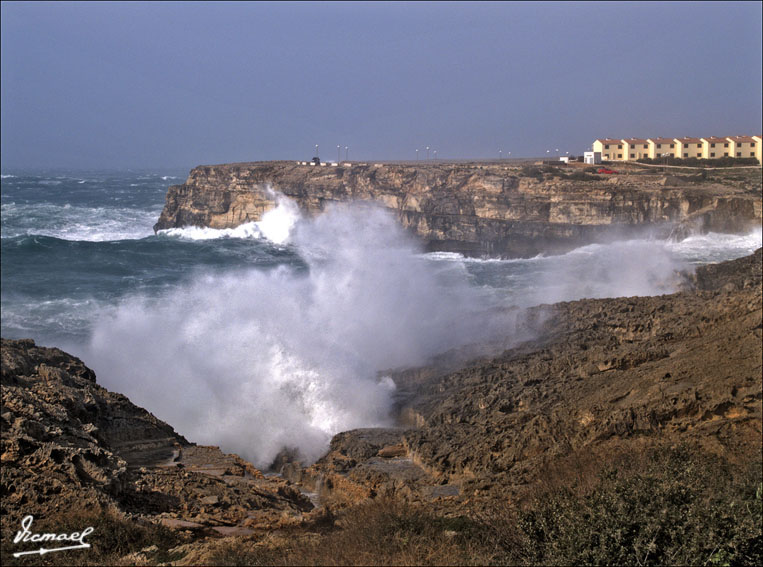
{"type": "Point", "coordinates": [752, 154]}
{"type": "Point", "coordinates": [752, 145]}
{"type": "Point", "coordinates": [646, 146]}
{"type": "Point", "coordinates": [659, 146]}
{"type": "Point", "coordinates": [686, 155]}
{"type": "Point", "coordinates": [739, 154]}
{"type": "Point", "coordinates": [712, 145]}
{"type": "Point", "coordinates": [633, 156]}
{"type": "Point", "coordinates": [726, 145]}
{"type": "Point", "coordinates": [606, 156]}
{"type": "Point", "coordinates": [672, 146]}
{"type": "Point", "coordinates": [606, 147]}
{"type": "Point", "coordinates": [619, 156]}
{"type": "Point", "coordinates": [725, 154]}
{"type": "Point", "coordinates": [712, 154]}
{"type": "Point", "coordinates": [619, 146]}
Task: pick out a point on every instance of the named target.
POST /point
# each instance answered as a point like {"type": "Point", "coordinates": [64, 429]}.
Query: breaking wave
{"type": "Point", "coordinates": [286, 357]}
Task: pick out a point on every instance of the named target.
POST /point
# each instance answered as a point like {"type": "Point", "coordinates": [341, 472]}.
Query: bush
{"type": "Point", "coordinates": [682, 509]}
{"type": "Point", "coordinates": [579, 176]}
{"type": "Point", "coordinates": [379, 532]}
{"type": "Point", "coordinates": [697, 162]}
{"type": "Point", "coordinates": [533, 172]}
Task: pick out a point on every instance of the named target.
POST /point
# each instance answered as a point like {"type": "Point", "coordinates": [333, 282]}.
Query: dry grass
{"type": "Point", "coordinates": [641, 506]}
{"type": "Point", "coordinates": [113, 538]}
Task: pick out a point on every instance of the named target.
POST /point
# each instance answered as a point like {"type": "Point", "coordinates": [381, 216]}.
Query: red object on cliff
{"type": "Point", "coordinates": [605, 170]}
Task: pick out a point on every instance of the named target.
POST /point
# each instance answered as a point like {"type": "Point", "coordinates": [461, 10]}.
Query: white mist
{"type": "Point", "coordinates": [255, 361]}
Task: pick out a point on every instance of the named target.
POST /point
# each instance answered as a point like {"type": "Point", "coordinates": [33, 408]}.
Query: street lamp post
{"type": "Point", "coordinates": [346, 153]}
{"type": "Point", "coordinates": [427, 153]}
{"type": "Point", "coordinates": [316, 150]}
{"type": "Point", "coordinates": [338, 154]}
{"type": "Point", "coordinates": [417, 154]}
{"type": "Point", "coordinates": [500, 155]}
{"type": "Point", "coordinates": [435, 155]}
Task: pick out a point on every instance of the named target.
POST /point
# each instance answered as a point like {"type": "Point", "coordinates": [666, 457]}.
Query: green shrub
{"type": "Point", "coordinates": [532, 171]}
{"type": "Point", "coordinates": [682, 509]}
{"type": "Point", "coordinates": [698, 162]}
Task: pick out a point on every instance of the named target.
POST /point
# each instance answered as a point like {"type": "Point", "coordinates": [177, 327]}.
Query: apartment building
{"type": "Point", "coordinates": [610, 149]}
{"type": "Point", "coordinates": [662, 147]}
{"type": "Point", "coordinates": [636, 148]}
{"type": "Point", "coordinates": [742, 146]}
{"type": "Point", "coordinates": [715, 147]}
{"type": "Point", "coordinates": [712, 147]}
{"type": "Point", "coordinates": [689, 147]}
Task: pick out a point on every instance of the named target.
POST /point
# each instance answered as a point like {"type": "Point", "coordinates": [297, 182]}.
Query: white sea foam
{"type": "Point", "coordinates": [166, 177]}
{"type": "Point", "coordinates": [68, 222]}
{"type": "Point", "coordinates": [716, 247]}
{"type": "Point", "coordinates": [620, 268]}
{"type": "Point", "coordinates": [256, 360]}
{"type": "Point", "coordinates": [276, 225]}
{"type": "Point", "coordinates": [7, 176]}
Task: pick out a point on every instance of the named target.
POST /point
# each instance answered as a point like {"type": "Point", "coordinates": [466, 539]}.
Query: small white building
{"type": "Point", "coordinates": [564, 159]}
{"type": "Point", "coordinates": [592, 158]}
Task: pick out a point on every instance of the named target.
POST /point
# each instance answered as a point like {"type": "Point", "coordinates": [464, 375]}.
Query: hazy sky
{"type": "Point", "coordinates": [181, 84]}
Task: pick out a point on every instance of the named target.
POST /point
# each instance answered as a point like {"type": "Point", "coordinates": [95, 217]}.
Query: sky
{"type": "Point", "coordinates": [152, 84]}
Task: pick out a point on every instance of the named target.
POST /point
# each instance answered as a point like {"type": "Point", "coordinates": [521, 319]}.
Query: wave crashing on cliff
{"type": "Point", "coordinates": [257, 360]}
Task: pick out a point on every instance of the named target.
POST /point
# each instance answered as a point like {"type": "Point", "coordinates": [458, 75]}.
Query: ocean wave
{"type": "Point", "coordinates": [276, 226]}
{"type": "Point", "coordinates": [248, 230]}
{"type": "Point", "coordinates": [75, 223]}
{"type": "Point", "coordinates": [7, 176]}
{"type": "Point", "coordinates": [297, 354]}
{"type": "Point", "coordinates": [716, 247]}
{"type": "Point", "coordinates": [457, 257]}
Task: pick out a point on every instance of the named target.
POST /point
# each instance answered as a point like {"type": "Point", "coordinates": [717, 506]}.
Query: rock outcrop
{"type": "Point", "coordinates": [603, 376]}
{"type": "Point", "coordinates": [478, 209]}
{"type": "Point", "coordinates": [70, 445]}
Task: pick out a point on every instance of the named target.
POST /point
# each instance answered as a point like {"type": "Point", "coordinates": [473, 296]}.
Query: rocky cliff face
{"type": "Point", "coordinates": [70, 445]}
{"type": "Point", "coordinates": [477, 209]}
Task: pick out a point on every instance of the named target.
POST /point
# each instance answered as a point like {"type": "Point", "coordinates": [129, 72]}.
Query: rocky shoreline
{"type": "Point", "coordinates": [480, 209]}
{"type": "Point", "coordinates": [601, 378]}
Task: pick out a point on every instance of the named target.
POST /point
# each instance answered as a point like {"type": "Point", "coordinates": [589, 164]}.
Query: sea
{"type": "Point", "coordinates": [279, 333]}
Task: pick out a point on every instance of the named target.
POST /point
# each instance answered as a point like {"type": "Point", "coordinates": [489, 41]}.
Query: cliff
{"type": "Point", "coordinates": [478, 209]}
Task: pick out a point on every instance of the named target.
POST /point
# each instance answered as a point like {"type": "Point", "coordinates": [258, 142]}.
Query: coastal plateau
{"type": "Point", "coordinates": [626, 431]}
{"type": "Point", "coordinates": [480, 208]}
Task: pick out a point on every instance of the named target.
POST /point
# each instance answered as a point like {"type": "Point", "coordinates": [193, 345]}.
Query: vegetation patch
{"type": "Point", "coordinates": [698, 162]}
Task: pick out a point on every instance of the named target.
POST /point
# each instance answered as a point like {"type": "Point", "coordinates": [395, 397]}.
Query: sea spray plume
{"type": "Point", "coordinates": [276, 225]}
{"type": "Point", "coordinates": [618, 269]}
{"type": "Point", "coordinates": [256, 361]}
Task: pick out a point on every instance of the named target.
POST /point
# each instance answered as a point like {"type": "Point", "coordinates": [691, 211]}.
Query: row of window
{"type": "Point", "coordinates": [699, 145]}
{"type": "Point", "coordinates": [686, 155]}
